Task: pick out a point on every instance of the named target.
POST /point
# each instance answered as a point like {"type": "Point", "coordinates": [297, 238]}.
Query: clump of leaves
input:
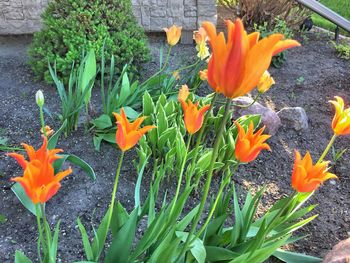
{"type": "Point", "coordinates": [71, 26]}
{"type": "Point", "coordinates": [342, 49]}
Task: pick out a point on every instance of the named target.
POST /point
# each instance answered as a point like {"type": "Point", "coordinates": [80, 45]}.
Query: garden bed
{"type": "Point", "coordinates": [311, 76]}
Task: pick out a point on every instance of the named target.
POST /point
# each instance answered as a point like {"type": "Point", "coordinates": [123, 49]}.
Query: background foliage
{"type": "Point", "coordinates": [70, 26]}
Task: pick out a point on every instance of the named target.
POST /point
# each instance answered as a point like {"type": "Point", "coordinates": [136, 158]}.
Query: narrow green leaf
{"type": "Point", "coordinates": [119, 250]}
{"type": "Point", "coordinates": [102, 122]}
{"type": "Point", "coordinates": [292, 257]}
{"type": "Point", "coordinates": [23, 198]}
{"type": "Point", "coordinates": [21, 258]}
{"type": "Point", "coordinates": [85, 239]}
{"type": "Point", "coordinates": [54, 138]}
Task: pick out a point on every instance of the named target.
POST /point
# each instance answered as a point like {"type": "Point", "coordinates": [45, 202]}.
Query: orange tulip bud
{"type": "Point", "coordinates": [237, 64]}
{"type": "Point", "coordinates": [203, 75]}
{"type": "Point", "coordinates": [128, 134]}
{"type": "Point", "coordinates": [193, 116]}
{"type": "Point", "coordinates": [173, 34]}
{"type": "Point", "coordinates": [265, 82]}
{"type": "Point", "coordinates": [248, 144]}
{"type": "Point", "coordinates": [38, 180]}
{"type": "Point", "coordinates": [307, 177]}
{"type": "Point", "coordinates": [341, 120]}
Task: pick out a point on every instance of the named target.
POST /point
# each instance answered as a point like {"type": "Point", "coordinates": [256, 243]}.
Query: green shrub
{"type": "Point", "coordinates": [72, 26]}
{"type": "Point", "coordinates": [343, 50]}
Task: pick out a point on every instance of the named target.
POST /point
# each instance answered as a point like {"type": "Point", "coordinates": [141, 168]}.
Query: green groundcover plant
{"type": "Point", "coordinates": [190, 138]}
{"type": "Point", "coordinates": [70, 26]}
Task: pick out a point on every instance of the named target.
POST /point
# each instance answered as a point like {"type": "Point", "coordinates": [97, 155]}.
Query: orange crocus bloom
{"type": "Point", "coordinates": [307, 177]}
{"type": "Point", "coordinates": [341, 120]}
{"type": "Point", "coordinates": [248, 144]}
{"type": "Point", "coordinates": [38, 180]}
{"type": "Point", "coordinates": [128, 134]}
{"type": "Point", "coordinates": [193, 116]}
{"type": "Point", "coordinates": [173, 34]}
{"type": "Point", "coordinates": [236, 65]}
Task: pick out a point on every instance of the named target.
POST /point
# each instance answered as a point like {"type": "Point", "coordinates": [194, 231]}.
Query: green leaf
{"type": "Point", "coordinates": [24, 199]}
{"type": "Point", "coordinates": [197, 248]}
{"type": "Point", "coordinates": [138, 184]}
{"type": "Point", "coordinates": [102, 122]}
{"type": "Point", "coordinates": [125, 89]}
{"type": "Point", "coordinates": [54, 244]}
{"type": "Point", "coordinates": [119, 217]}
{"type": "Point", "coordinates": [215, 254]}
{"type": "Point", "coordinates": [121, 245]}
{"type": "Point", "coordinates": [162, 122]}
{"type": "Point", "coordinates": [77, 161]}
{"type": "Point", "coordinates": [292, 257]}
{"type": "Point", "coordinates": [21, 258]}
{"type": "Point", "coordinates": [54, 138]}
{"type": "Point", "coordinates": [88, 76]}
{"type": "Point", "coordinates": [148, 107]}
{"type": "Point", "coordinates": [131, 113]}
{"type": "Point", "coordinates": [85, 239]}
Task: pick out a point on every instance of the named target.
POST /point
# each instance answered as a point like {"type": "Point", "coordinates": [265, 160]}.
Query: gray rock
{"type": "Point", "coordinates": [294, 117]}
{"type": "Point", "coordinates": [269, 117]}
{"type": "Point", "coordinates": [340, 253]}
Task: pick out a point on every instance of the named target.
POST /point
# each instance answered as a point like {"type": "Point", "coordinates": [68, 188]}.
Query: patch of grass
{"type": "Point", "coordinates": [342, 7]}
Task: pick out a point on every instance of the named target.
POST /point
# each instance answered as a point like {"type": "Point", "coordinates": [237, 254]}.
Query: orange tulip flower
{"type": "Point", "coordinates": [248, 144]}
{"type": "Point", "coordinates": [236, 65]}
{"type": "Point", "coordinates": [42, 154]}
{"type": "Point", "coordinates": [173, 34]}
{"type": "Point", "coordinates": [128, 134]}
{"type": "Point", "coordinates": [307, 177]}
{"type": "Point", "coordinates": [200, 36]}
{"type": "Point", "coordinates": [193, 116]}
{"type": "Point", "coordinates": [341, 120]}
{"type": "Point", "coordinates": [38, 180]}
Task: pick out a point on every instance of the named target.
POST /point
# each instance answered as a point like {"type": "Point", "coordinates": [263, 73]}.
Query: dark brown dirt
{"type": "Point", "coordinates": [324, 77]}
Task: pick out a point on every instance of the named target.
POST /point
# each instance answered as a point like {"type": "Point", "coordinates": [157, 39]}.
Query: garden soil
{"type": "Point", "coordinates": [311, 77]}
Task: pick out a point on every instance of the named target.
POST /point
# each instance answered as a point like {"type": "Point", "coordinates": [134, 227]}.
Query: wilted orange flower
{"type": "Point", "coordinates": [42, 154]}
{"type": "Point", "coordinates": [200, 36]}
{"type": "Point", "coordinates": [203, 75]}
{"type": "Point", "coordinates": [307, 177]}
{"type": "Point", "coordinates": [176, 75]}
{"type": "Point", "coordinates": [265, 83]}
{"type": "Point", "coordinates": [173, 34]}
{"type": "Point", "coordinates": [236, 65]}
{"type": "Point", "coordinates": [38, 180]}
{"type": "Point", "coordinates": [183, 93]}
{"type": "Point", "coordinates": [193, 117]}
{"type": "Point", "coordinates": [341, 120]}
{"type": "Point", "coordinates": [48, 131]}
{"type": "Point", "coordinates": [248, 144]}
{"type": "Point", "coordinates": [128, 134]}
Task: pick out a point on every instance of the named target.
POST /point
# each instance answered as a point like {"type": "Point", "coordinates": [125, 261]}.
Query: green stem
{"type": "Point", "coordinates": [247, 106]}
{"type": "Point", "coordinates": [181, 173]}
{"type": "Point", "coordinates": [46, 231]}
{"type": "Point", "coordinates": [5, 148]}
{"type": "Point", "coordinates": [42, 121]}
{"type": "Point", "coordinates": [40, 230]}
{"type": "Point", "coordinates": [224, 183]}
{"type": "Point", "coordinates": [155, 165]}
{"type": "Point", "coordinates": [198, 142]}
{"type": "Point", "coordinates": [210, 175]}
{"type": "Point", "coordinates": [114, 192]}
{"type": "Point", "coordinates": [161, 69]}
{"type": "Point", "coordinates": [190, 66]}
{"type": "Point", "coordinates": [327, 148]}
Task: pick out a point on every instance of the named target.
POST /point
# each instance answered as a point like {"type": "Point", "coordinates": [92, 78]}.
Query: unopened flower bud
{"type": "Point", "coordinates": [39, 98]}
